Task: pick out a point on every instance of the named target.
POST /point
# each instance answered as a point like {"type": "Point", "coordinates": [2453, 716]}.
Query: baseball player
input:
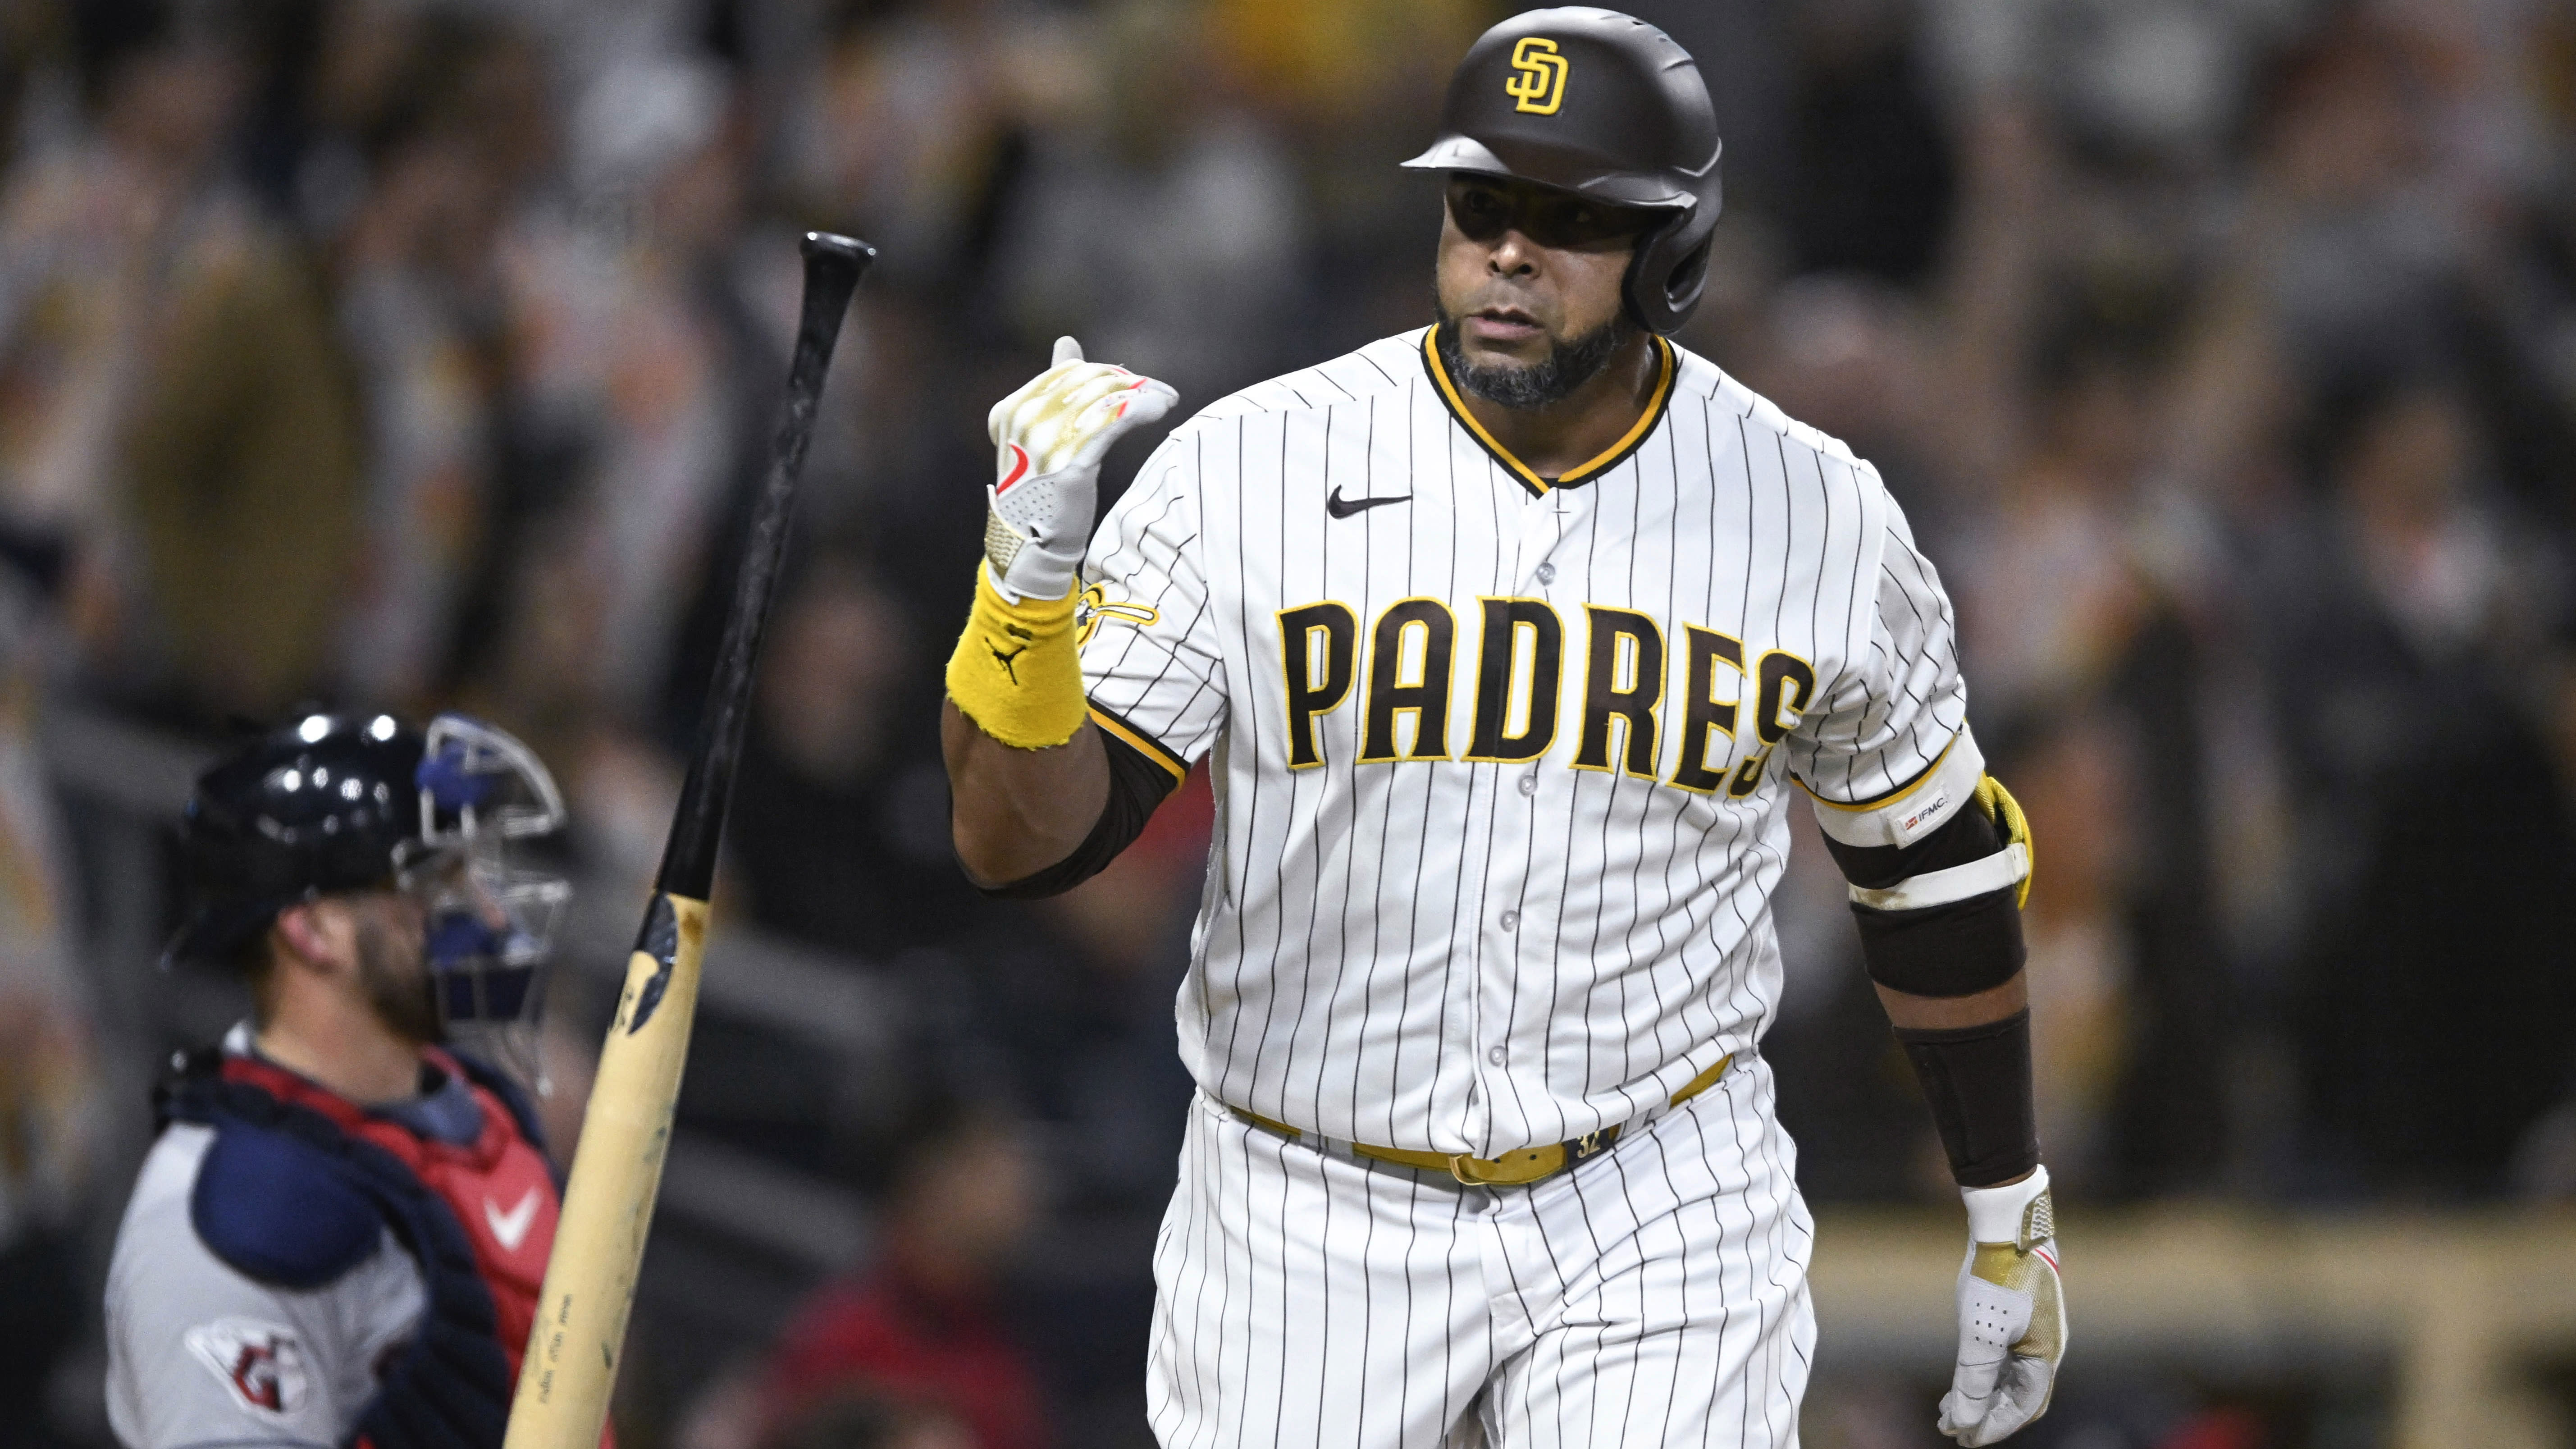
{"type": "Point", "coordinates": [339, 1235]}
{"type": "Point", "coordinates": [1507, 642]}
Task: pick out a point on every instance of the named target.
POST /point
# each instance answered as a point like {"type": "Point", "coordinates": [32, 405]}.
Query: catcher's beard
{"type": "Point", "coordinates": [1568, 365]}
{"type": "Point", "coordinates": [397, 983]}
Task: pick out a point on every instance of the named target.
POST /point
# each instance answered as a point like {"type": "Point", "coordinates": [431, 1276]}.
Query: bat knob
{"type": "Point", "coordinates": [822, 246]}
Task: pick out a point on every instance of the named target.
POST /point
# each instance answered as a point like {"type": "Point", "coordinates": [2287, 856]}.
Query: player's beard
{"type": "Point", "coordinates": [397, 983]}
{"type": "Point", "coordinates": [1568, 365]}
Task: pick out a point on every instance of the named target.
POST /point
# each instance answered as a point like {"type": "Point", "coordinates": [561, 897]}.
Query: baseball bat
{"type": "Point", "coordinates": [580, 1329]}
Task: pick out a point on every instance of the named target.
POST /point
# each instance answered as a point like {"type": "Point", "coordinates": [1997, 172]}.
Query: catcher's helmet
{"type": "Point", "coordinates": [322, 805]}
{"type": "Point", "coordinates": [1604, 105]}
{"type": "Point", "coordinates": [337, 803]}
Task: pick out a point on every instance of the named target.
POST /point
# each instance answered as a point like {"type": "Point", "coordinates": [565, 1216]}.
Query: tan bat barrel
{"type": "Point", "coordinates": [608, 1204]}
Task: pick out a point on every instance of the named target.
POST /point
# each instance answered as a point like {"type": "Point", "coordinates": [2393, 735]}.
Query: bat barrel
{"type": "Point", "coordinates": [833, 265]}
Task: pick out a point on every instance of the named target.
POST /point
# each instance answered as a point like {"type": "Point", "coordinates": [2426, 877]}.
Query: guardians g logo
{"type": "Point", "coordinates": [1537, 83]}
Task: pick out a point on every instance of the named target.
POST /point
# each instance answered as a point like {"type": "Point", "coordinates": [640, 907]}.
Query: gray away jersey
{"type": "Point", "coordinates": [1502, 762]}
{"type": "Point", "coordinates": [200, 1354]}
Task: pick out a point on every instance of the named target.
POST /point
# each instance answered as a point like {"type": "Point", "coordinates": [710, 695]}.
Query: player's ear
{"type": "Point", "coordinates": [316, 936]}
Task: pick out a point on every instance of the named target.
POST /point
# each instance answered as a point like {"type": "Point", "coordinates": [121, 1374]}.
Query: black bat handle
{"type": "Point", "coordinates": [832, 268]}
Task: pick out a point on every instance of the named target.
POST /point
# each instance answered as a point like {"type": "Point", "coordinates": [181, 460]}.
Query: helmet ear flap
{"type": "Point", "coordinates": [1689, 278]}
{"type": "Point", "coordinates": [1667, 274]}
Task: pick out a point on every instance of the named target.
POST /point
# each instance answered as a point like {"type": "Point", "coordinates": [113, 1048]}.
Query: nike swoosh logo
{"type": "Point", "coordinates": [1341, 507]}
{"type": "Point", "coordinates": [510, 1229]}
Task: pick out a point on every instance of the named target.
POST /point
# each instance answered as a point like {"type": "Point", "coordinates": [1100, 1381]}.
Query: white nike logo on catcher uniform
{"type": "Point", "coordinates": [509, 1229]}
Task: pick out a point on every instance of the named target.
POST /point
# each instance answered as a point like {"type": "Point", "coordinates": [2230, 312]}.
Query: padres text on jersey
{"type": "Point", "coordinates": [1502, 760]}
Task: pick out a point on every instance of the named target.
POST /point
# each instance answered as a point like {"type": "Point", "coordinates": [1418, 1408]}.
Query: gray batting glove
{"type": "Point", "coordinates": [1049, 438]}
{"type": "Point", "coordinates": [2012, 1313]}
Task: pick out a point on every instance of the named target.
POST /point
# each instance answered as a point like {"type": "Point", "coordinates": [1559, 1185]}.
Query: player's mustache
{"type": "Point", "coordinates": [1501, 302]}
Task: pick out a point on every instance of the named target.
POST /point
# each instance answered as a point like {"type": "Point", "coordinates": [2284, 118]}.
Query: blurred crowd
{"type": "Point", "coordinates": [420, 354]}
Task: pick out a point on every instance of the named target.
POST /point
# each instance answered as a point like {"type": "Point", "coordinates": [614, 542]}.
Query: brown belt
{"type": "Point", "coordinates": [1512, 1169]}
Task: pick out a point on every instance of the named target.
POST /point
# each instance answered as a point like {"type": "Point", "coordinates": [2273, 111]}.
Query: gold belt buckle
{"type": "Point", "coordinates": [1533, 1164]}
{"type": "Point", "coordinates": [1516, 1169]}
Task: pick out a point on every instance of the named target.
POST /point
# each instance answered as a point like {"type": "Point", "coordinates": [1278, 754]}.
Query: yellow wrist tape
{"type": "Point", "coordinates": [1016, 672]}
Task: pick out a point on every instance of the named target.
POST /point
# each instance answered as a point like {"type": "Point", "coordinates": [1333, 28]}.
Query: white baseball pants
{"type": "Point", "coordinates": [1653, 1296]}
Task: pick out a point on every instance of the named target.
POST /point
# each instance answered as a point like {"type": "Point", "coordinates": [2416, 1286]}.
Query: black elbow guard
{"type": "Point", "coordinates": [1942, 916]}
{"type": "Point", "coordinates": [1954, 950]}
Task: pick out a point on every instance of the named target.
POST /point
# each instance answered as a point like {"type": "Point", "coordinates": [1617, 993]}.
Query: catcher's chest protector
{"type": "Point", "coordinates": [300, 1185]}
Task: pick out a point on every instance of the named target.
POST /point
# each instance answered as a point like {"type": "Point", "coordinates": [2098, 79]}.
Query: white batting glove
{"type": "Point", "coordinates": [2012, 1313]}
{"type": "Point", "coordinates": [1049, 438]}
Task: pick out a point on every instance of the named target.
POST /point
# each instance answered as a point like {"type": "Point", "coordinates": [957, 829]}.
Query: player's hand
{"type": "Point", "coordinates": [2012, 1313]}
{"type": "Point", "coordinates": [1049, 438]}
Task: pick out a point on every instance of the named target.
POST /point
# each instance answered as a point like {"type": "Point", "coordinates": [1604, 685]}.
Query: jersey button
{"type": "Point", "coordinates": [1547, 573]}
{"type": "Point", "coordinates": [1511, 920]}
{"type": "Point", "coordinates": [1529, 783]}
{"type": "Point", "coordinates": [1497, 1056]}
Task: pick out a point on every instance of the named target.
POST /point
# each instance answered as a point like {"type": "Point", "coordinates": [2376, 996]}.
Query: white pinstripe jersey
{"type": "Point", "coordinates": [1501, 762]}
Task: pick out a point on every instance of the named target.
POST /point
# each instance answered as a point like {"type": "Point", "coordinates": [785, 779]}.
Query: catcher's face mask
{"type": "Point", "coordinates": [485, 799]}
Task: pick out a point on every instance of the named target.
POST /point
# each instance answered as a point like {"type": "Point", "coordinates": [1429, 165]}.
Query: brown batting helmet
{"type": "Point", "coordinates": [1606, 106]}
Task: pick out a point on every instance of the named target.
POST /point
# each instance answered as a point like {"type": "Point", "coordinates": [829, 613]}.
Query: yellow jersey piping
{"type": "Point", "coordinates": [1528, 476]}
{"type": "Point", "coordinates": [1881, 802]}
{"type": "Point", "coordinates": [1141, 742]}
